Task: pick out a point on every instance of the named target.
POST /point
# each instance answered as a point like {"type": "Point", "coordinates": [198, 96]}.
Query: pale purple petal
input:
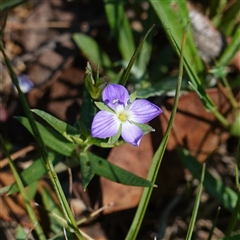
{"type": "Point", "coordinates": [115, 96]}
{"type": "Point", "coordinates": [104, 125]}
{"type": "Point", "coordinates": [25, 83]}
{"type": "Point", "coordinates": [131, 133]}
{"type": "Point", "coordinates": [142, 111]}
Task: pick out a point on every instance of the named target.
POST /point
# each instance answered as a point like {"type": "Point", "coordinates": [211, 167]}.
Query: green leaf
{"type": "Point", "coordinates": [231, 50]}
{"type": "Point", "coordinates": [120, 27]}
{"type": "Point", "coordinates": [103, 106]}
{"type": "Point", "coordinates": [133, 97]}
{"type": "Point", "coordinates": [146, 50]}
{"type": "Point", "coordinates": [174, 18]}
{"type": "Point", "coordinates": [56, 217]}
{"type": "Point", "coordinates": [33, 173]}
{"type": "Point", "coordinates": [86, 170]}
{"type": "Point", "coordinates": [94, 53]}
{"type": "Point", "coordinates": [112, 140]}
{"type": "Point", "coordinates": [88, 111]}
{"type": "Point", "coordinates": [145, 127]}
{"type": "Point", "coordinates": [104, 143]}
{"type": "Point", "coordinates": [234, 237]}
{"type": "Point", "coordinates": [51, 138]}
{"type": "Point", "coordinates": [127, 71]}
{"type": "Point", "coordinates": [71, 133]}
{"type": "Point", "coordinates": [225, 195]}
{"type": "Point", "coordinates": [230, 18]}
{"type": "Point", "coordinates": [20, 233]}
{"type": "Point", "coordinates": [102, 167]}
{"type": "Point", "coordinates": [29, 208]}
{"type": "Point", "coordinates": [7, 4]}
{"type": "Point", "coordinates": [164, 87]}
{"type": "Point", "coordinates": [32, 189]}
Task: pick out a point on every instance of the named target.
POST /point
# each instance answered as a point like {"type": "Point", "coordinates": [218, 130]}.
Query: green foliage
{"type": "Point", "coordinates": [70, 133]}
{"type": "Point", "coordinates": [92, 164]}
{"type": "Point", "coordinates": [93, 52]}
{"type": "Point", "coordinates": [225, 195]}
{"type": "Point", "coordinates": [147, 69]}
{"type": "Point", "coordinates": [52, 139]}
{"type": "Point", "coordinates": [8, 4]}
{"type": "Point", "coordinates": [174, 18]}
{"type": "Point", "coordinates": [120, 28]}
{"type": "Point", "coordinates": [33, 173]}
{"type": "Point", "coordinates": [20, 233]}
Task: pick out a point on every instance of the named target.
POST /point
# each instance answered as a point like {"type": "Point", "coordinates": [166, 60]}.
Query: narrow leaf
{"type": "Point", "coordinates": [87, 170]}
{"type": "Point", "coordinates": [102, 106]}
{"type": "Point", "coordinates": [196, 205]}
{"type": "Point", "coordinates": [106, 169]}
{"type": "Point", "coordinates": [7, 4]}
{"type": "Point", "coordinates": [34, 172]}
{"type": "Point", "coordinates": [69, 132]}
{"type": "Point", "coordinates": [51, 138]}
{"type": "Point", "coordinates": [225, 195]}
{"type": "Point", "coordinates": [127, 71]}
{"type": "Point", "coordinates": [94, 53]}
{"type": "Point", "coordinates": [174, 18]}
{"type": "Point", "coordinates": [120, 27]}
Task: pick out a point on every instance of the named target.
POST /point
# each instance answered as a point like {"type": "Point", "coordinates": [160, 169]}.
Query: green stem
{"type": "Point", "coordinates": [214, 224]}
{"type": "Point", "coordinates": [236, 212]}
{"type": "Point", "coordinates": [196, 205]}
{"type": "Point", "coordinates": [48, 164]}
{"type": "Point", "coordinates": [220, 117]}
{"type": "Point", "coordinates": [127, 71]}
{"type": "Point", "coordinates": [20, 185]}
{"type": "Point", "coordinates": [157, 159]}
{"type": "Point", "coordinates": [231, 97]}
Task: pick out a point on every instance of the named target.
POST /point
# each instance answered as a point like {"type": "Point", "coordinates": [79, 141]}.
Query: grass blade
{"type": "Point", "coordinates": [120, 27]}
{"type": "Point", "coordinates": [157, 159]}
{"type": "Point", "coordinates": [48, 164]}
{"type": "Point", "coordinates": [127, 71]}
{"type": "Point", "coordinates": [231, 50]}
{"type": "Point", "coordinates": [196, 205]}
{"type": "Point", "coordinates": [20, 185]}
{"type": "Point", "coordinates": [224, 194]}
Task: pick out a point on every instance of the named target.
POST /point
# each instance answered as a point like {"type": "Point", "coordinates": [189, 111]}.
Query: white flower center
{"type": "Point", "coordinates": [123, 116]}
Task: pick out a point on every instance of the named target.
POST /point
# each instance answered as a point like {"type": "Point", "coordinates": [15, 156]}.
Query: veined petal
{"type": "Point", "coordinates": [104, 125]}
{"type": "Point", "coordinates": [131, 133]}
{"type": "Point", "coordinates": [115, 96]}
{"type": "Point", "coordinates": [142, 111]}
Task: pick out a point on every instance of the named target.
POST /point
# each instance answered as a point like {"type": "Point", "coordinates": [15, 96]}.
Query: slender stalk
{"type": "Point", "coordinates": [231, 97]}
{"type": "Point", "coordinates": [196, 205]}
{"type": "Point", "coordinates": [214, 224]}
{"type": "Point", "coordinates": [20, 185]}
{"type": "Point", "coordinates": [48, 164]}
{"type": "Point", "coordinates": [220, 117]}
{"type": "Point", "coordinates": [236, 212]}
{"type": "Point", "coordinates": [127, 71]}
{"type": "Point", "coordinates": [157, 159]}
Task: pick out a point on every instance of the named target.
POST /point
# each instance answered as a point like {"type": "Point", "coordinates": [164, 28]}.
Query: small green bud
{"type": "Point", "coordinates": [235, 126]}
{"type": "Point", "coordinates": [93, 86]}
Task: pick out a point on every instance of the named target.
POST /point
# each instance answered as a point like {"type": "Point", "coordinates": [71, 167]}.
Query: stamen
{"type": "Point", "coordinates": [123, 116]}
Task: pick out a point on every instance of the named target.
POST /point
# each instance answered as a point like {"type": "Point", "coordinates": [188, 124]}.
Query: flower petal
{"type": "Point", "coordinates": [115, 96]}
{"type": "Point", "coordinates": [142, 111]}
{"type": "Point", "coordinates": [131, 133]}
{"type": "Point", "coordinates": [104, 125]}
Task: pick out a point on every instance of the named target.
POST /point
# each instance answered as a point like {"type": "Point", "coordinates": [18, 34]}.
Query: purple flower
{"type": "Point", "coordinates": [122, 114]}
{"type": "Point", "coordinates": [25, 83]}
